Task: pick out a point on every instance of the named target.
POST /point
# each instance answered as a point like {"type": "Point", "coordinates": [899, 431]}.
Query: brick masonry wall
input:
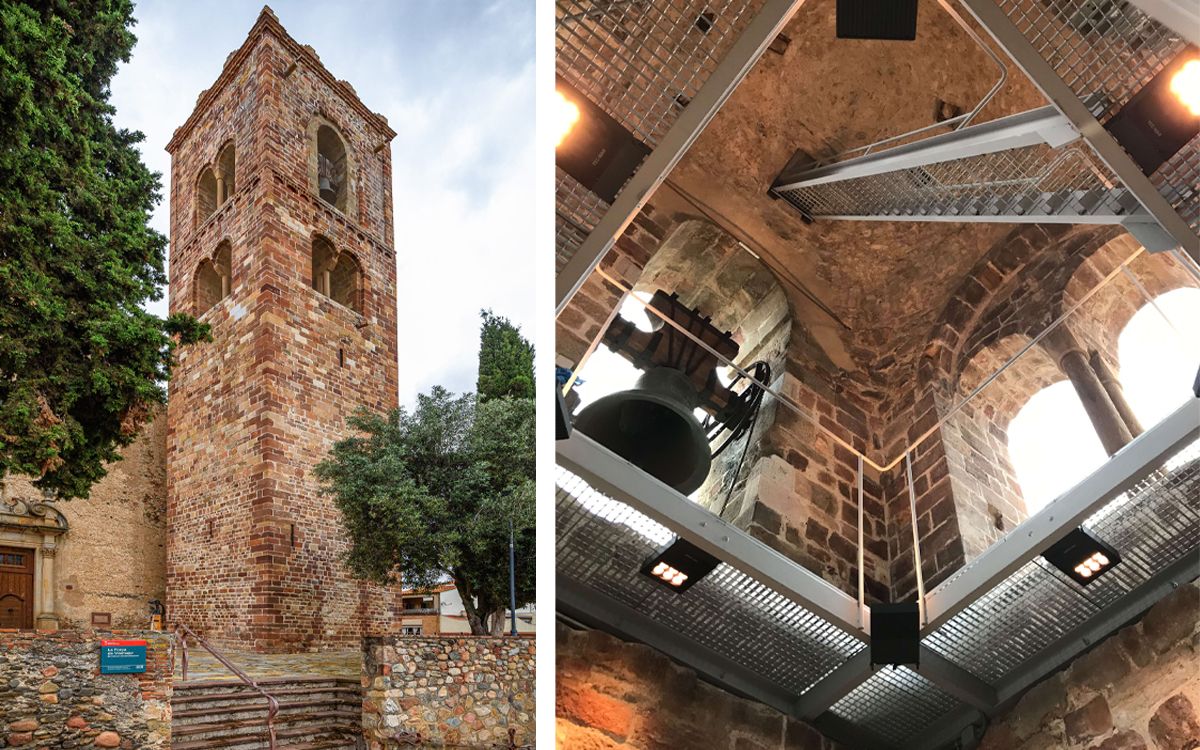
{"type": "Point", "coordinates": [613, 695]}
{"type": "Point", "coordinates": [1137, 690]}
{"type": "Point", "coordinates": [463, 691]}
{"type": "Point", "coordinates": [254, 552]}
{"type": "Point", "coordinates": [52, 694]}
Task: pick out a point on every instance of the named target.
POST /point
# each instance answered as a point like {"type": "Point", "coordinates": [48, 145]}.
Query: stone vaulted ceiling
{"type": "Point", "coordinates": [886, 281]}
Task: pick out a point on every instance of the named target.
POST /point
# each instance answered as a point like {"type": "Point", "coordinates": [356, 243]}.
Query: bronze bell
{"type": "Point", "coordinates": [652, 426]}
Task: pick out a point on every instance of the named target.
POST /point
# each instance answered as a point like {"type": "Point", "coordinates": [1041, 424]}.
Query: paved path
{"type": "Point", "coordinates": [202, 666]}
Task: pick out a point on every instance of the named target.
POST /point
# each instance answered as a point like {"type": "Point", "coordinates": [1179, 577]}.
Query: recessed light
{"type": "Point", "coordinates": [680, 565]}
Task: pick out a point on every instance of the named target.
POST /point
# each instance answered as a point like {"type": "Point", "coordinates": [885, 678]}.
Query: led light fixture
{"type": "Point", "coordinates": [680, 565]}
{"type": "Point", "coordinates": [1163, 115]}
{"type": "Point", "coordinates": [1081, 556]}
{"type": "Point", "coordinates": [593, 147]}
{"type": "Point", "coordinates": [895, 634]}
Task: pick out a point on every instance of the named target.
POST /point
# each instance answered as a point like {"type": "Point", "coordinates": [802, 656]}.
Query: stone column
{"type": "Point", "coordinates": [47, 619]}
{"type": "Point", "coordinates": [220, 189]}
{"type": "Point", "coordinates": [1073, 361]}
{"type": "Point", "coordinates": [1115, 392]}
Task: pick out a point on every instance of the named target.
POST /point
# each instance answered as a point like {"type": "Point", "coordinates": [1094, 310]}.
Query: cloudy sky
{"type": "Point", "coordinates": [455, 81]}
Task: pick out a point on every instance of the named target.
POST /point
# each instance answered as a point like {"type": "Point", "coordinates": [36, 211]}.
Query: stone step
{"type": "Point", "coordinates": [257, 723]}
{"type": "Point", "coordinates": [189, 697]}
{"type": "Point", "coordinates": [255, 706]}
{"type": "Point", "coordinates": [329, 734]}
{"type": "Point", "coordinates": [267, 683]}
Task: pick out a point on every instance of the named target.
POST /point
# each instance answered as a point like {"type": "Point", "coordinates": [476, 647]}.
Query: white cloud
{"type": "Point", "coordinates": [455, 80]}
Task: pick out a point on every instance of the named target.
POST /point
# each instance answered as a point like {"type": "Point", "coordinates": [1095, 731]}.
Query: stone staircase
{"type": "Point", "coordinates": [315, 713]}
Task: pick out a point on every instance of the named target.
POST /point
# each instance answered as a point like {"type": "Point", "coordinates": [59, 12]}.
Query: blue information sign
{"type": "Point", "coordinates": [122, 657]}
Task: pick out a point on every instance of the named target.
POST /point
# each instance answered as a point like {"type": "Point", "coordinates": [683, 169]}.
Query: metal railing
{"type": "Point", "coordinates": [183, 632]}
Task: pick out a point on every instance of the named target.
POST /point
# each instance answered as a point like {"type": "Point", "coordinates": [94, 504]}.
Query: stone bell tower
{"type": "Point", "coordinates": [281, 240]}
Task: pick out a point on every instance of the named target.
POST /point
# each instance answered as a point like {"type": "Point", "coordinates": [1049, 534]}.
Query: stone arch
{"type": "Point", "coordinates": [337, 275]}
{"type": "Point", "coordinates": [213, 279]}
{"type": "Point", "coordinates": [331, 167]}
{"type": "Point", "coordinates": [226, 172]}
{"type": "Point", "coordinates": [206, 194]}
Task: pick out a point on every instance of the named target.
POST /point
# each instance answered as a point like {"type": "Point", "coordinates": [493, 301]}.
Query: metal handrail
{"type": "Point", "coordinates": [183, 631]}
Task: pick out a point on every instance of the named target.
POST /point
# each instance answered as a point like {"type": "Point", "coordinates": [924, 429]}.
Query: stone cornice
{"type": "Point", "coordinates": [268, 23]}
{"type": "Point", "coordinates": [16, 513]}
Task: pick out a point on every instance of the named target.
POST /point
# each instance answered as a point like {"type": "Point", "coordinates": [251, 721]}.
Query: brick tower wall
{"type": "Point", "coordinates": [254, 550]}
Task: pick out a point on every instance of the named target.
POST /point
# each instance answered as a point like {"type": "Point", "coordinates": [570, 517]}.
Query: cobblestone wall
{"type": "Point", "coordinates": [52, 694]}
{"type": "Point", "coordinates": [468, 691]}
{"type": "Point", "coordinates": [613, 695]}
{"type": "Point", "coordinates": [1137, 690]}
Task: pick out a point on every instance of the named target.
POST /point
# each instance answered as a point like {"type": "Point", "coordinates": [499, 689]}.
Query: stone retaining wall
{"type": "Point", "coordinates": [1137, 690]}
{"type": "Point", "coordinates": [52, 694]}
{"type": "Point", "coordinates": [467, 691]}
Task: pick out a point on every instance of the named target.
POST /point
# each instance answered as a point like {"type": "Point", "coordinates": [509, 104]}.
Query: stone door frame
{"type": "Point", "coordinates": [36, 526]}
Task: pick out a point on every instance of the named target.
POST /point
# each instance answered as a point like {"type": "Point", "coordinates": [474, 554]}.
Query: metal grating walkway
{"type": "Point", "coordinates": [1100, 51]}
{"type": "Point", "coordinates": [601, 543]}
{"type": "Point", "coordinates": [1006, 637]}
{"type": "Point", "coordinates": [642, 63]}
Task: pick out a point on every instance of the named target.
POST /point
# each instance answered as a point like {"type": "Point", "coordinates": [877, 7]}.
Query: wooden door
{"type": "Point", "coordinates": [16, 587]}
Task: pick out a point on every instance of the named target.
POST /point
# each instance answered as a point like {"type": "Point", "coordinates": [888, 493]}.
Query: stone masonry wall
{"type": "Point", "coordinates": [112, 559]}
{"type": "Point", "coordinates": [254, 557]}
{"type": "Point", "coordinates": [463, 691]}
{"type": "Point", "coordinates": [52, 694]}
{"type": "Point", "coordinates": [1137, 690]}
{"type": "Point", "coordinates": [613, 695]}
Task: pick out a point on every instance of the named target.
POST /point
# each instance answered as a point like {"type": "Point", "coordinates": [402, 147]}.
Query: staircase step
{"type": "Point", "coordinates": [215, 700]}
{"type": "Point", "coordinates": [257, 723]}
{"type": "Point", "coordinates": [258, 705]}
{"type": "Point", "coordinates": [192, 686]}
{"type": "Point", "coordinates": [325, 737]}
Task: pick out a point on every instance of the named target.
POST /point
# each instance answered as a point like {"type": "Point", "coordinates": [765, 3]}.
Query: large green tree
{"type": "Point", "coordinates": [435, 492]}
{"type": "Point", "coordinates": [429, 494]}
{"type": "Point", "coordinates": [505, 360]}
{"type": "Point", "coordinates": [81, 362]}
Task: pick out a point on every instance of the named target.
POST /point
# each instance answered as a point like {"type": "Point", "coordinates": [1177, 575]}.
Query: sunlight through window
{"type": "Point", "coordinates": [1052, 445]}
{"type": "Point", "coordinates": [1159, 360]}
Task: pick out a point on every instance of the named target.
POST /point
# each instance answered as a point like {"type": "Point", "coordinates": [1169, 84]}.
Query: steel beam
{"type": "Point", "coordinates": [613, 475]}
{"type": "Point", "coordinates": [1036, 126]}
{"type": "Point", "coordinates": [742, 56]}
{"type": "Point", "coordinates": [957, 681]}
{"type": "Point", "coordinates": [1047, 526]}
{"type": "Point", "coordinates": [834, 686]}
{"type": "Point", "coordinates": [595, 609]}
{"type": "Point", "coordinates": [1061, 652]}
{"type": "Point", "coordinates": [1043, 75]}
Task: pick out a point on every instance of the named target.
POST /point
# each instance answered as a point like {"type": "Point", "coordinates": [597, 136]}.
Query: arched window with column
{"type": "Point", "coordinates": [206, 194]}
{"type": "Point", "coordinates": [226, 173]}
{"type": "Point", "coordinates": [214, 279]}
{"type": "Point", "coordinates": [336, 275]}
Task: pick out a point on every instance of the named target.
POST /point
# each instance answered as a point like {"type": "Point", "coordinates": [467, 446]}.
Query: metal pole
{"type": "Point", "coordinates": [862, 597]}
{"type": "Point", "coordinates": [512, 578]}
{"type": "Point", "coordinates": [912, 506]}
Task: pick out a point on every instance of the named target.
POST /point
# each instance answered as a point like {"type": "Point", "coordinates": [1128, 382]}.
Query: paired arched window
{"type": "Point", "coordinates": [332, 168]}
{"type": "Point", "coordinates": [215, 184]}
{"type": "Point", "coordinates": [1052, 442]}
{"type": "Point", "coordinates": [213, 279]}
{"type": "Point", "coordinates": [336, 275]}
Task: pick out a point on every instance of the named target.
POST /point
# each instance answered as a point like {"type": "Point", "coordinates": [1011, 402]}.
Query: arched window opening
{"type": "Point", "coordinates": [336, 275]}
{"type": "Point", "coordinates": [206, 195]}
{"type": "Point", "coordinates": [213, 279]}
{"type": "Point", "coordinates": [1158, 359]}
{"type": "Point", "coordinates": [1052, 445]}
{"type": "Point", "coordinates": [226, 168]}
{"type": "Point", "coordinates": [331, 168]}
